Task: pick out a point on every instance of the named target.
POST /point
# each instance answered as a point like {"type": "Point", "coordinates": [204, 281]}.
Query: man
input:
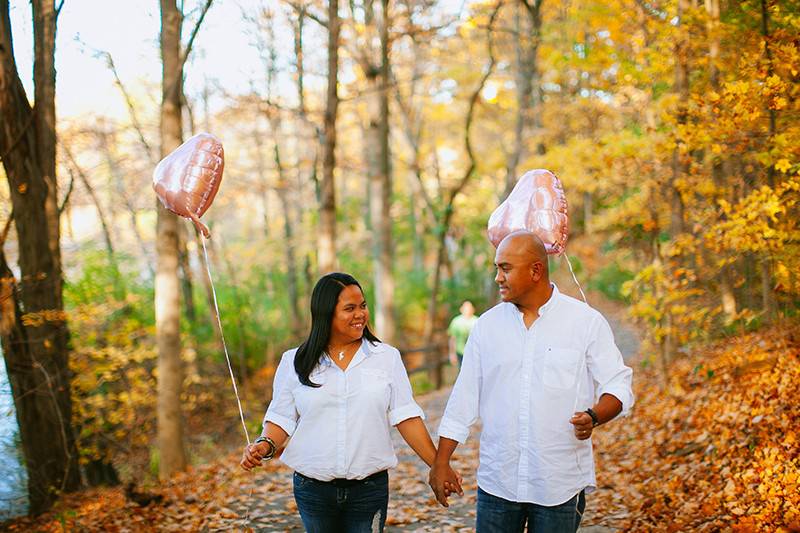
{"type": "Point", "coordinates": [532, 364]}
{"type": "Point", "coordinates": [459, 329]}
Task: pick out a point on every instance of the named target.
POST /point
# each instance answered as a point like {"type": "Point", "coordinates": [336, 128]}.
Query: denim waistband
{"type": "Point", "coordinates": [346, 483]}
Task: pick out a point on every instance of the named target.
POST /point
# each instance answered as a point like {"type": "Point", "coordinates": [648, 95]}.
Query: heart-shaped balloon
{"type": "Point", "coordinates": [536, 204]}
{"type": "Point", "coordinates": [187, 180]}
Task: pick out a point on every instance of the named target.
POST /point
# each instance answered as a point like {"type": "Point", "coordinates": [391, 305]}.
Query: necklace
{"type": "Point", "coordinates": [340, 355]}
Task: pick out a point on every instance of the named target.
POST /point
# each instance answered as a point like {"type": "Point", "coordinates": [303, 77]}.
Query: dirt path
{"type": "Point", "coordinates": [411, 507]}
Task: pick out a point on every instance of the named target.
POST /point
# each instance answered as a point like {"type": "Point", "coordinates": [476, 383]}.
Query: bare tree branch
{"type": "Point", "coordinates": [302, 9]}
{"type": "Point", "coordinates": [88, 186]}
{"type": "Point", "coordinates": [193, 35]}
{"type": "Point", "coordinates": [131, 108]}
{"type": "Point", "coordinates": [67, 195]}
{"type": "Point", "coordinates": [534, 8]}
{"type": "Point", "coordinates": [472, 103]}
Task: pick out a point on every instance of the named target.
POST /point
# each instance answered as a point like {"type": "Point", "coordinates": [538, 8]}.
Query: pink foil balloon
{"type": "Point", "coordinates": [536, 204]}
{"type": "Point", "coordinates": [187, 180]}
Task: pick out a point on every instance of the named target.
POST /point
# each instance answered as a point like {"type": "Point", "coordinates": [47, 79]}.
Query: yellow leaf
{"type": "Point", "coordinates": [783, 165]}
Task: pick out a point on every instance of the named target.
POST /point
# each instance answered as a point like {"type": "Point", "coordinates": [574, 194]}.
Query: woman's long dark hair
{"type": "Point", "coordinates": [323, 304]}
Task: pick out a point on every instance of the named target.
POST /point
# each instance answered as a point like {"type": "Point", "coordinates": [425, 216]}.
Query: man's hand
{"type": "Point", "coordinates": [444, 481]}
{"type": "Point", "coordinates": [251, 457]}
{"type": "Point", "coordinates": [582, 423]}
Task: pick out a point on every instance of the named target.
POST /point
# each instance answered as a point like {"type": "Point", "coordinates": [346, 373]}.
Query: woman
{"type": "Point", "coordinates": [336, 395]}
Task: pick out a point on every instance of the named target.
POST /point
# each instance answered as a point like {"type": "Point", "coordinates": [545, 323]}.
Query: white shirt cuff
{"type": "Point", "coordinates": [622, 394]}
{"type": "Point", "coordinates": [454, 431]}
{"type": "Point", "coordinates": [286, 424]}
{"type": "Point", "coordinates": [409, 410]}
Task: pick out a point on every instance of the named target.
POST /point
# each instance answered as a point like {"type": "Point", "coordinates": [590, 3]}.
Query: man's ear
{"type": "Point", "coordinates": [537, 269]}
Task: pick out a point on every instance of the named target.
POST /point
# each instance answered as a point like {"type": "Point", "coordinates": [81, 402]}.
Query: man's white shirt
{"type": "Point", "coordinates": [522, 383]}
{"type": "Point", "coordinates": [341, 429]}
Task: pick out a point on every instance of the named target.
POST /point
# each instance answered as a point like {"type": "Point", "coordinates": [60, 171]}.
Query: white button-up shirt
{"type": "Point", "coordinates": [341, 429]}
{"type": "Point", "coordinates": [523, 383]}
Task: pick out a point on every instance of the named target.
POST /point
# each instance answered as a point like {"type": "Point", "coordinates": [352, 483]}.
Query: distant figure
{"type": "Point", "coordinates": [458, 330]}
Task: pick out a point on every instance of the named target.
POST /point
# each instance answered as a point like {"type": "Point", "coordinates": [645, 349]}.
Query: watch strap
{"type": "Point", "coordinates": [595, 420]}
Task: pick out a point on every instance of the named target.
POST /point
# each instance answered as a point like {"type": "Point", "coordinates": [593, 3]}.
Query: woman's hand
{"type": "Point", "coordinates": [252, 455]}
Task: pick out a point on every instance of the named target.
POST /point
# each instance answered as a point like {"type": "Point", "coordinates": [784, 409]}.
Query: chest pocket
{"type": "Point", "coordinates": [561, 367]}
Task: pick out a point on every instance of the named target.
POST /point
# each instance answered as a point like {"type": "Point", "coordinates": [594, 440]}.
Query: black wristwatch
{"type": "Point", "coordinates": [595, 420]}
{"type": "Point", "coordinates": [272, 447]}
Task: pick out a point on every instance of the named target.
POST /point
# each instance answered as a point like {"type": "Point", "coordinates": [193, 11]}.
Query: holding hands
{"type": "Point", "coordinates": [444, 481]}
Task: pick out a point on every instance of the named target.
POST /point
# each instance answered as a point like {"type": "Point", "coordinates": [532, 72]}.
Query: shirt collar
{"type": "Point", "coordinates": [365, 350]}
{"type": "Point", "coordinates": [550, 303]}
{"type": "Point", "coordinates": [370, 348]}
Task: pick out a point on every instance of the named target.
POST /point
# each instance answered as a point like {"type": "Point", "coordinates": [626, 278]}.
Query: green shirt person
{"type": "Point", "coordinates": [459, 329]}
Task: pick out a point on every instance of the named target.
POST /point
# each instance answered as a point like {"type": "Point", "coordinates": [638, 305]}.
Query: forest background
{"type": "Point", "coordinates": [374, 138]}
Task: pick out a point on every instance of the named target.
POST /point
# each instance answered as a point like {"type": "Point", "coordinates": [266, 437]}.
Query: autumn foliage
{"type": "Point", "coordinates": [717, 452]}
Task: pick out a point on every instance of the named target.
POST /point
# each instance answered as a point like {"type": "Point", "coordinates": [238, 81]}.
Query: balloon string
{"type": "Point", "coordinates": [569, 264]}
{"type": "Point", "coordinates": [224, 346]}
{"type": "Point", "coordinates": [580, 368]}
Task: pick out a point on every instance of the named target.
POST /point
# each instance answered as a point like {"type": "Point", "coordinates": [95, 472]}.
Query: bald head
{"type": "Point", "coordinates": [522, 274]}
{"type": "Point", "coordinates": [526, 244]}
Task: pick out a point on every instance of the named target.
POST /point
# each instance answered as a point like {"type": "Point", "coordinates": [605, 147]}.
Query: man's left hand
{"type": "Point", "coordinates": [582, 423]}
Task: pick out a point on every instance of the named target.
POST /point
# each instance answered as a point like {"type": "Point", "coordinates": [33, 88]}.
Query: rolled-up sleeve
{"type": "Point", "coordinates": [606, 365]}
{"type": "Point", "coordinates": [282, 410]}
{"type": "Point", "coordinates": [401, 404]}
{"type": "Point", "coordinates": [463, 407]}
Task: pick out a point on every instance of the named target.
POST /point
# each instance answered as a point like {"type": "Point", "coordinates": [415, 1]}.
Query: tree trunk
{"type": "Point", "coordinates": [44, 78]}
{"type": "Point", "coordinates": [186, 272]}
{"type": "Point", "coordinates": [681, 87]}
{"type": "Point", "coordinates": [167, 294]}
{"type": "Point", "coordinates": [290, 244]}
{"type": "Point", "coordinates": [377, 155]}
{"type": "Point", "coordinates": [432, 323]}
{"type": "Point", "coordinates": [209, 291]}
{"type": "Point", "coordinates": [35, 342]}
{"type": "Point", "coordinates": [416, 222]}
{"type": "Point", "coordinates": [529, 26]}
{"type": "Point", "coordinates": [727, 295]}
{"type": "Point", "coordinates": [326, 252]}
{"type": "Point", "coordinates": [299, 65]}
{"type": "Point", "coordinates": [412, 121]}
{"type": "Point", "coordinates": [767, 293]}
{"type": "Point", "coordinates": [773, 117]}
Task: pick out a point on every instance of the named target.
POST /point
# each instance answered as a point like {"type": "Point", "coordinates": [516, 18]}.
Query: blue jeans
{"type": "Point", "coordinates": [496, 515]}
{"type": "Point", "coordinates": [342, 506]}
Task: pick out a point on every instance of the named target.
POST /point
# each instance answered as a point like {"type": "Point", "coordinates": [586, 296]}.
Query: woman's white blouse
{"type": "Point", "coordinates": [341, 429]}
